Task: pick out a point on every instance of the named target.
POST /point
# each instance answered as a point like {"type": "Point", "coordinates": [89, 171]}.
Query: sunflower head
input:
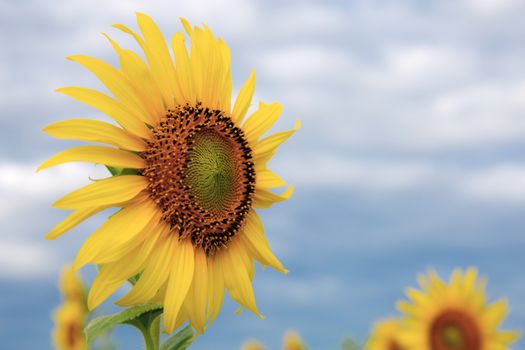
{"type": "Point", "coordinates": [189, 169]}
{"type": "Point", "coordinates": [201, 173]}
{"type": "Point", "coordinates": [385, 336]}
{"type": "Point", "coordinates": [454, 315]}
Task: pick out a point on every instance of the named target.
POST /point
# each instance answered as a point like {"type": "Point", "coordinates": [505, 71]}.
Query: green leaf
{"type": "Point", "coordinates": [180, 341]}
{"type": "Point", "coordinates": [143, 313]}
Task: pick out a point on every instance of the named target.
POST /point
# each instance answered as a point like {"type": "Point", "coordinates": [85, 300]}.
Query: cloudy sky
{"type": "Point", "coordinates": [410, 155]}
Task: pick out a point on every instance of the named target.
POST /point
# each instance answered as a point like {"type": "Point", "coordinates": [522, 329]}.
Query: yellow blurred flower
{"type": "Point", "coordinates": [70, 317]}
{"type": "Point", "coordinates": [453, 316]}
{"type": "Point", "coordinates": [71, 286]}
{"type": "Point", "coordinates": [385, 336]}
{"type": "Point", "coordinates": [252, 345]}
{"type": "Point", "coordinates": [189, 171]}
{"type": "Point", "coordinates": [70, 320]}
{"type": "Point", "coordinates": [292, 341]}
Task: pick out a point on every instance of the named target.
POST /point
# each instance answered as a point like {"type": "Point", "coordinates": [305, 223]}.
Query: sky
{"type": "Point", "coordinates": [410, 154]}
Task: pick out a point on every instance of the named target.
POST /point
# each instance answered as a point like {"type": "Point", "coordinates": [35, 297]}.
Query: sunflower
{"type": "Point", "coordinates": [454, 316]}
{"type": "Point", "coordinates": [292, 341]}
{"type": "Point", "coordinates": [69, 327]}
{"type": "Point", "coordinates": [70, 317]}
{"type": "Point", "coordinates": [188, 173]}
{"type": "Point", "coordinates": [385, 336]}
{"type": "Point", "coordinates": [252, 345]}
{"type": "Point", "coordinates": [71, 286]}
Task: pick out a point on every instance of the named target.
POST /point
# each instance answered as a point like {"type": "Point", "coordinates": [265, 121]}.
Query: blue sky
{"type": "Point", "coordinates": [410, 155]}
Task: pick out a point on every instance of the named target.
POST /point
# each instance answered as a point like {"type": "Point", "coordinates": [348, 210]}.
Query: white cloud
{"type": "Point", "coordinates": [499, 183]}
{"type": "Point", "coordinates": [329, 290]}
{"type": "Point", "coordinates": [492, 7]}
{"type": "Point", "coordinates": [21, 186]}
{"type": "Point", "coordinates": [422, 66]}
{"type": "Point", "coordinates": [25, 260]}
{"type": "Point", "coordinates": [362, 175]}
{"type": "Point", "coordinates": [309, 18]}
{"type": "Point", "coordinates": [300, 63]}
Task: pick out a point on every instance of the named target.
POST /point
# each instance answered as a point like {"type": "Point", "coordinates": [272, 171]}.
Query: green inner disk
{"type": "Point", "coordinates": [212, 172]}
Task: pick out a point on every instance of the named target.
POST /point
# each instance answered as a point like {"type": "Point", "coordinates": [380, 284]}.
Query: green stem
{"type": "Point", "coordinates": [155, 332]}
{"type": "Point", "coordinates": [151, 341]}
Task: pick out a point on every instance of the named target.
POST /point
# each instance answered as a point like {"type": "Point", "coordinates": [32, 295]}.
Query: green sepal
{"type": "Point", "coordinates": [180, 341]}
{"type": "Point", "coordinates": [141, 313]}
{"type": "Point", "coordinates": [122, 171]}
{"type": "Point", "coordinates": [134, 279]}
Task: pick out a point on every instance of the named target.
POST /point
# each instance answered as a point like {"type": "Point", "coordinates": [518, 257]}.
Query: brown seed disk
{"type": "Point", "coordinates": [454, 330]}
{"type": "Point", "coordinates": [201, 175]}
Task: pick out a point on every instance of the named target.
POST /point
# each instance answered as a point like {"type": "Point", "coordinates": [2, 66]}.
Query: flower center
{"type": "Point", "coordinates": [394, 345]}
{"type": "Point", "coordinates": [454, 330]}
{"type": "Point", "coordinates": [201, 175]}
{"type": "Point", "coordinates": [212, 173]}
{"type": "Point", "coordinates": [73, 332]}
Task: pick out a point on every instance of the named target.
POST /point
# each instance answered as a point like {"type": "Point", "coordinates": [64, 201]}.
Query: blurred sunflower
{"type": "Point", "coordinates": [385, 336]}
{"type": "Point", "coordinates": [292, 341]}
{"type": "Point", "coordinates": [252, 345]}
{"type": "Point", "coordinates": [71, 286]}
{"type": "Point", "coordinates": [70, 317]}
{"type": "Point", "coordinates": [454, 316]}
{"type": "Point", "coordinates": [188, 173]}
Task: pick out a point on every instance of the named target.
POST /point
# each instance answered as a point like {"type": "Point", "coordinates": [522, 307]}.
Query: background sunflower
{"type": "Point", "coordinates": [410, 153]}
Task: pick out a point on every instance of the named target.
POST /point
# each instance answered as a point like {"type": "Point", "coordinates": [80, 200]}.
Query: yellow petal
{"type": "Point", "coordinates": [104, 192]}
{"type": "Point", "coordinates": [109, 106]}
{"type": "Point", "coordinates": [95, 131]}
{"type": "Point", "coordinates": [96, 154]}
{"type": "Point", "coordinates": [244, 99]}
{"type": "Point", "coordinates": [226, 89]}
{"type": "Point", "coordinates": [266, 178]}
{"type": "Point", "coordinates": [265, 199]}
{"type": "Point", "coordinates": [114, 274]}
{"type": "Point", "coordinates": [215, 70]}
{"type": "Point", "coordinates": [72, 220]}
{"type": "Point", "coordinates": [237, 278]}
{"type": "Point", "coordinates": [256, 243]}
{"type": "Point", "coordinates": [507, 338]}
{"type": "Point", "coordinates": [142, 81]}
{"type": "Point", "coordinates": [196, 299]}
{"type": "Point", "coordinates": [120, 244]}
{"type": "Point", "coordinates": [165, 82]}
{"type": "Point", "coordinates": [183, 68]}
{"type": "Point", "coordinates": [116, 83]}
{"type": "Point", "coordinates": [495, 314]}
{"type": "Point", "coordinates": [261, 121]}
{"type": "Point", "coordinates": [156, 273]}
{"type": "Point", "coordinates": [159, 56]}
{"type": "Point", "coordinates": [215, 288]}
{"type": "Point", "coordinates": [120, 228]}
{"type": "Point", "coordinates": [111, 276]}
{"type": "Point", "coordinates": [179, 283]}
{"type": "Point", "coordinates": [181, 318]}
{"type": "Point", "coordinates": [269, 145]}
{"type": "Point", "coordinates": [199, 58]}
